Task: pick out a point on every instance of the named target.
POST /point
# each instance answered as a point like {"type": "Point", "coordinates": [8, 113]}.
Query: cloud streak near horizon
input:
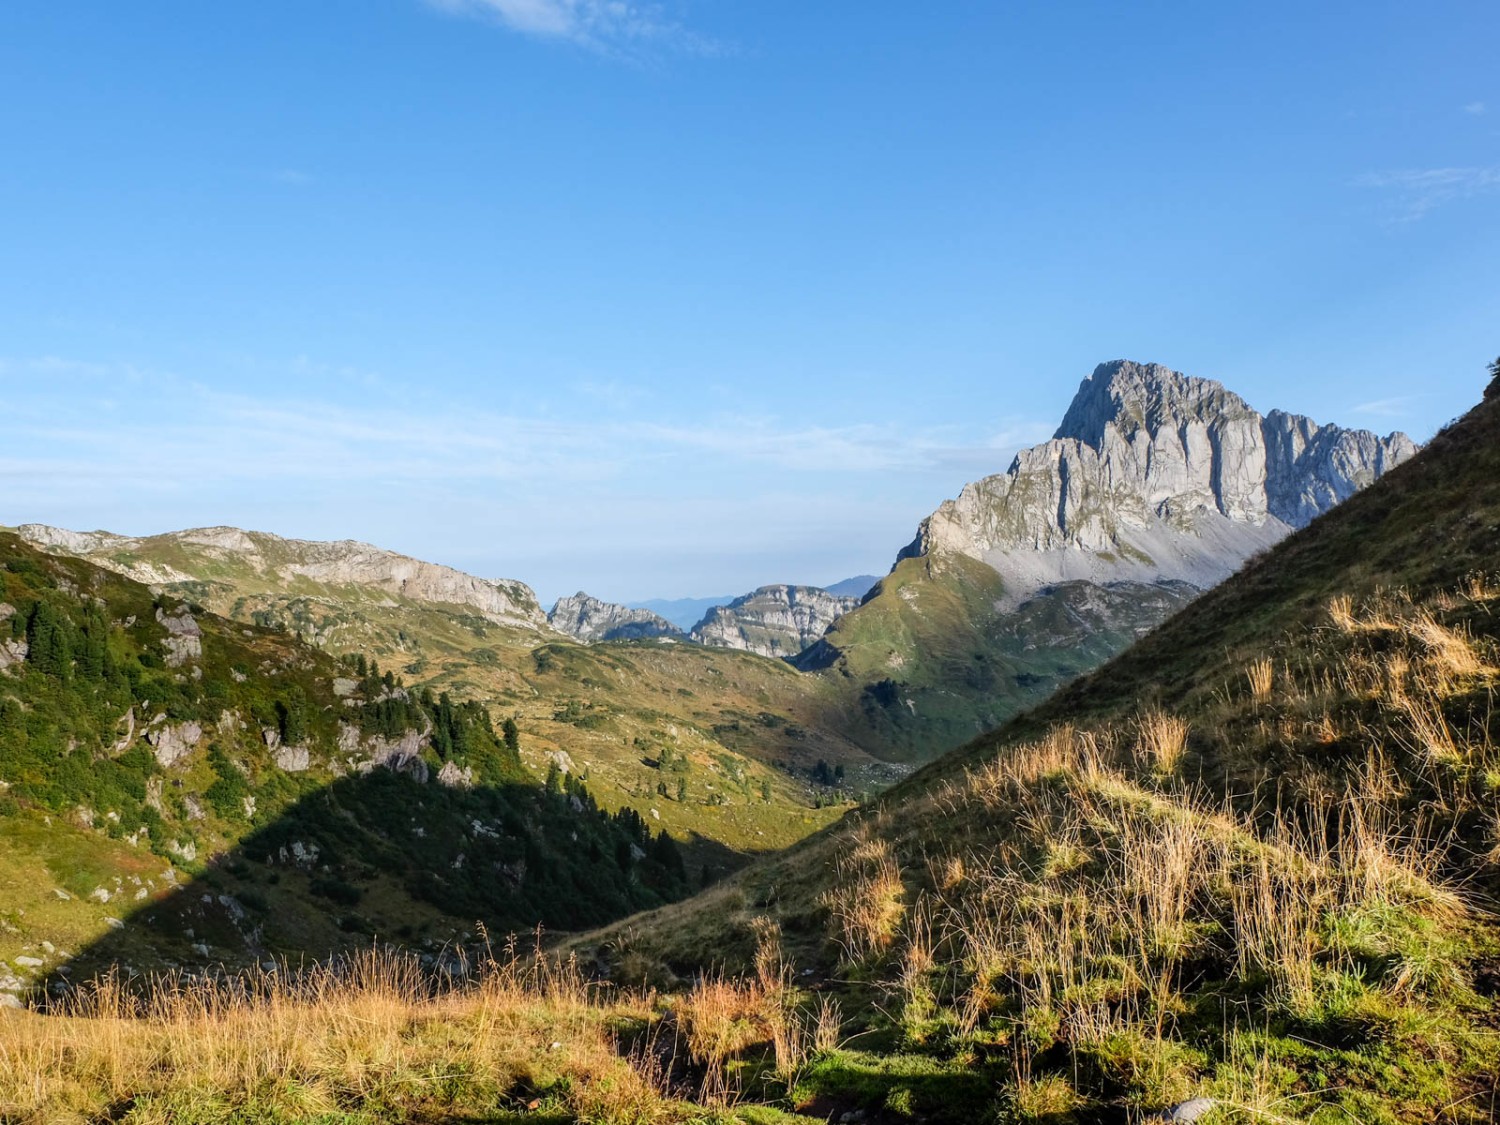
{"type": "Point", "coordinates": [141, 453]}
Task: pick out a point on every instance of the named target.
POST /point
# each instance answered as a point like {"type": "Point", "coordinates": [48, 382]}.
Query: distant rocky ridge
{"type": "Point", "coordinates": [778, 621]}
{"type": "Point", "coordinates": [589, 619]}
{"type": "Point", "coordinates": [773, 620]}
{"type": "Point", "coordinates": [690, 614]}
{"type": "Point", "coordinates": [344, 562]}
{"type": "Point", "coordinates": [1154, 476]}
{"type": "Point", "coordinates": [1155, 487]}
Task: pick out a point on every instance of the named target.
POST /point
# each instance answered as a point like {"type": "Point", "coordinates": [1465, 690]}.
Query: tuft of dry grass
{"type": "Point", "coordinates": [1162, 740]}
{"type": "Point", "coordinates": [1450, 652]}
{"type": "Point", "coordinates": [722, 1018]}
{"type": "Point", "coordinates": [1261, 675]}
{"type": "Point", "coordinates": [867, 902]}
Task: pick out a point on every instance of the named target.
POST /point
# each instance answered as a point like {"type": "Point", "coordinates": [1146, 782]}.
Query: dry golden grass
{"type": "Point", "coordinates": [722, 1018]}
{"type": "Point", "coordinates": [1162, 740]}
{"type": "Point", "coordinates": [867, 902]}
{"type": "Point", "coordinates": [367, 1032]}
{"type": "Point", "coordinates": [1066, 898]}
{"type": "Point", "coordinates": [1261, 676]}
{"type": "Point", "coordinates": [1450, 652]}
{"type": "Point", "coordinates": [1075, 896]}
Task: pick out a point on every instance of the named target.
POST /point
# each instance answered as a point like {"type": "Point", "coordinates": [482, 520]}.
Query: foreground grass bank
{"type": "Point", "coordinates": [374, 1037]}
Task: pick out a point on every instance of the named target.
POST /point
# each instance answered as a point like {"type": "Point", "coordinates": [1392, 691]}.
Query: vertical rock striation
{"type": "Point", "coordinates": [588, 619]}
{"type": "Point", "coordinates": [777, 621]}
{"type": "Point", "coordinates": [1155, 487]}
{"type": "Point", "coordinates": [1151, 476]}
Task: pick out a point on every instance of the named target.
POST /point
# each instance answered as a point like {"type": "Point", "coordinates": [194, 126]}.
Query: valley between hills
{"type": "Point", "coordinates": [1157, 771]}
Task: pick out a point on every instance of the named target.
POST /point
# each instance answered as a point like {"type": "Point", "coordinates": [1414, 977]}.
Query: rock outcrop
{"type": "Point", "coordinates": [777, 621]}
{"type": "Point", "coordinates": [184, 639]}
{"type": "Point", "coordinates": [589, 619]}
{"type": "Point", "coordinates": [342, 563]}
{"type": "Point", "coordinates": [1154, 475]}
{"type": "Point", "coordinates": [172, 743]}
{"type": "Point", "coordinates": [13, 652]}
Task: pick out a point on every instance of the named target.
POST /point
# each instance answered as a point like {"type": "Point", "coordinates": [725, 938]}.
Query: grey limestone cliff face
{"type": "Point", "coordinates": [1155, 475]}
{"type": "Point", "coordinates": [589, 619]}
{"type": "Point", "coordinates": [777, 621]}
{"type": "Point", "coordinates": [344, 562]}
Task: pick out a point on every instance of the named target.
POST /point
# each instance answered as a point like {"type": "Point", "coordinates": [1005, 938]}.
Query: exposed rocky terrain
{"type": "Point", "coordinates": [777, 621]}
{"type": "Point", "coordinates": [588, 619]}
{"type": "Point", "coordinates": [186, 556]}
{"type": "Point", "coordinates": [1155, 475]}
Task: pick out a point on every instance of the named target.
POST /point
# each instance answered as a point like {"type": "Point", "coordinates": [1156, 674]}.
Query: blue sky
{"type": "Point", "coordinates": [680, 298]}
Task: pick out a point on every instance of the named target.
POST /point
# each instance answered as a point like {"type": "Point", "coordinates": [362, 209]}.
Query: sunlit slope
{"type": "Point", "coordinates": [1252, 858]}
{"type": "Point", "coordinates": [1155, 486]}
{"type": "Point", "coordinates": [742, 735]}
{"type": "Point", "coordinates": [1427, 526]}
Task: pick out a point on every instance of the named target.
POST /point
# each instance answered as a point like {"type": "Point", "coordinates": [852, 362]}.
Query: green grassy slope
{"type": "Point", "coordinates": [1253, 858]}
{"type": "Point", "coordinates": [135, 759]}
{"type": "Point", "coordinates": [742, 734]}
{"type": "Point", "coordinates": [929, 661]}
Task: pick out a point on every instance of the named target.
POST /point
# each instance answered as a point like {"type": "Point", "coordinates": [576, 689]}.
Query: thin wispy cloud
{"type": "Point", "coordinates": [607, 26]}
{"type": "Point", "coordinates": [1398, 406]}
{"type": "Point", "coordinates": [1416, 192]}
{"type": "Point", "coordinates": [290, 177]}
{"type": "Point", "coordinates": [536, 494]}
{"type": "Point", "coordinates": [1474, 109]}
{"type": "Point", "coordinates": [221, 436]}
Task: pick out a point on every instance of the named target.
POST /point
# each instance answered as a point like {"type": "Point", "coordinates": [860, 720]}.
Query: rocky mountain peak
{"type": "Point", "coordinates": [1144, 396]}
{"type": "Point", "coordinates": [778, 620]}
{"type": "Point", "coordinates": [1155, 475]}
{"type": "Point", "coordinates": [587, 618]}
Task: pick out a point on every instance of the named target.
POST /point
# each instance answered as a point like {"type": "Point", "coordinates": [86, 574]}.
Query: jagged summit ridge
{"type": "Point", "coordinates": [338, 562]}
{"type": "Point", "coordinates": [585, 618]}
{"type": "Point", "coordinates": [1151, 475]}
{"type": "Point", "coordinates": [1134, 396]}
{"type": "Point", "coordinates": [778, 620]}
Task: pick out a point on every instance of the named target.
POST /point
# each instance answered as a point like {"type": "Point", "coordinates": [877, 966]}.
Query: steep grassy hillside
{"type": "Point", "coordinates": [720, 748]}
{"type": "Point", "coordinates": [146, 744]}
{"type": "Point", "coordinates": [1253, 859]}
{"type": "Point", "coordinates": [932, 658]}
